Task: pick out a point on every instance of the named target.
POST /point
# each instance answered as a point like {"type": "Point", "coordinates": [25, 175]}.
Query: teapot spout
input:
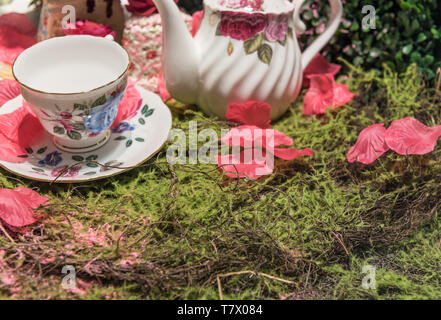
{"type": "Point", "coordinates": [180, 61]}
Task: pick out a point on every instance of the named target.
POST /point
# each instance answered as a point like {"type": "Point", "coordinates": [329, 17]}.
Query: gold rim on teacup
{"type": "Point", "coordinates": [70, 93]}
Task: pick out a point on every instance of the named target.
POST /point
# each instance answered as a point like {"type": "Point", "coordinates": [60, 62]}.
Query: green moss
{"type": "Point", "coordinates": [316, 221]}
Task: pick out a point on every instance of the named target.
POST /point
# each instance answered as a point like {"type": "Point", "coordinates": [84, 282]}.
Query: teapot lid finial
{"type": "Point", "coordinates": [263, 6]}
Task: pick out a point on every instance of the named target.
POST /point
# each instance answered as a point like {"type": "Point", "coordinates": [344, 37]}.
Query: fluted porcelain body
{"type": "Point", "coordinates": [244, 50]}
{"type": "Point", "coordinates": [229, 73]}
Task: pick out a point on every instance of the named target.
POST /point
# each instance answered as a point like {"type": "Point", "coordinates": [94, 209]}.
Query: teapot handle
{"type": "Point", "coordinates": [325, 37]}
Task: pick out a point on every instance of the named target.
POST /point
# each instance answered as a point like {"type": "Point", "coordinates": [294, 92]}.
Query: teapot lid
{"type": "Point", "coordinates": [252, 6]}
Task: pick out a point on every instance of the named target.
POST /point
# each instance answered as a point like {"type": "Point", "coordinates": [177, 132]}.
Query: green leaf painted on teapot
{"type": "Point", "coordinates": [265, 53]}
{"type": "Point", "coordinates": [253, 44]}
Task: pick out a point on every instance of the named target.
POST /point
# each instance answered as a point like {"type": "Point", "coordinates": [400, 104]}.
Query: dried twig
{"type": "Point", "coordinates": [6, 233]}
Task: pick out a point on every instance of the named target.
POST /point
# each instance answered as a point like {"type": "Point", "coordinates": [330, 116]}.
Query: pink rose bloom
{"type": "Point", "coordinates": [90, 28]}
{"type": "Point", "coordinates": [72, 172]}
{"type": "Point", "coordinates": [254, 4]}
{"type": "Point", "coordinates": [242, 26]}
{"type": "Point", "coordinates": [277, 27]}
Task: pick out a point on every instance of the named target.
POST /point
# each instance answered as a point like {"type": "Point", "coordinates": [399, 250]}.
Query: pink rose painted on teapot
{"type": "Point", "coordinates": [245, 50]}
{"type": "Point", "coordinates": [277, 27]}
{"type": "Point", "coordinates": [241, 26]}
{"type": "Point", "coordinates": [234, 4]}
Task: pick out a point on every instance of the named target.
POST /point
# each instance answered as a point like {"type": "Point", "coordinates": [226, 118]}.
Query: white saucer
{"type": "Point", "coordinates": [144, 135]}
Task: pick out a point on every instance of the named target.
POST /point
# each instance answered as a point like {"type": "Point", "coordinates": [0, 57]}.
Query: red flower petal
{"type": "Point", "coordinates": [10, 150]}
{"type": "Point", "coordinates": [325, 93]}
{"type": "Point", "coordinates": [129, 104]}
{"type": "Point", "coordinates": [342, 95]}
{"type": "Point", "coordinates": [20, 22]}
{"type": "Point", "coordinates": [12, 43]}
{"type": "Point", "coordinates": [196, 20]}
{"type": "Point", "coordinates": [18, 130]}
{"type": "Point", "coordinates": [9, 89]}
{"type": "Point", "coordinates": [236, 166]}
{"type": "Point", "coordinates": [86, 27]}
{"type": "Point", "coordinates": [370, 145]}
{"type": "Point", "coordinates": [253, 113]}
{"type": "Point", "coordinates": [142, 7]}
{"type": "Point", "coordinates": [253, 136]}
{"type": "Point", "coordinates": [409, 136]}
{"type": "Point", "coordinates": [319, 65]}
{"type": "Point", "coordinates": [16, 206]}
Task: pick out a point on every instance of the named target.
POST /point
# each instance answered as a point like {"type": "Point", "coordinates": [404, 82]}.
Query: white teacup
{"type": "Point", "coordinates": [74, 84]}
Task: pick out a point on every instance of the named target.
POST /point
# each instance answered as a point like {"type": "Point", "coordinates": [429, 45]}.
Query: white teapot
{"type": "Point", "coordinates": [244, 50]}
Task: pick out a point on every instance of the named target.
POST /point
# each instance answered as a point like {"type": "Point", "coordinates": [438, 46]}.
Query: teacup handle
{"type": "Point", "coordinates": [325, 37]}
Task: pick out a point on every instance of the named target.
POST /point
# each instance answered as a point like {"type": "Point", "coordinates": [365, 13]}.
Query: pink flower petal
{"type": "Point", "coordinates": [252, 113]}
{"type": "Point", "coordinates": [236, 166]}
{"type": "Point", "coordinates": [16, 206]}
{"type": "Point", "coordinates": [142, 7]}
{"type": "Point", "coordinates": [370, 145]}
{"type": "Point", "coordinates": [8, 55]}
{"type": "Point", "coordinates": [12, 43]}
{"type": "Point", "coordinates": [129, 104]}
{"type": "Point", "coordinates": [10, 150]}
{"type": "Point", "coordinates": [251, 135]}
{"type": "Point", "coordinates": [18, 130]}
{"type": "Point", "coordinates": [9, 89]}
{"type": "Point", "coordinates": [196, 20]}
{"type": "Point", "coordinates": [319, 65]}
{"type": "Point", "coordinates": [86, 27]}
{"type": "Point", "coordinates": [325, 93]}
{"type": "Point", "coordinates": [409, 136]}
{"type": "Point", "coordinates": [20, 22]}
{"type": "Point", "coordinates": [342, 95]}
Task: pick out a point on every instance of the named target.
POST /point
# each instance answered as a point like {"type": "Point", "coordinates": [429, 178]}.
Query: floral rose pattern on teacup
{"type": "Point", "coordinates": [102, 117]}
{"type": "Point", "coordinates": [85, 120]}
{"type": "Point", "coordinates": [58, 164]}
{"type": "Point", "coordinates": [65, 171]}
{"type": "Point", "coordinates": [52, 159]}
{"type": "Point", "coordinates": [123, 127]}
{"type": "Point", "coordinates": [256, 30]}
